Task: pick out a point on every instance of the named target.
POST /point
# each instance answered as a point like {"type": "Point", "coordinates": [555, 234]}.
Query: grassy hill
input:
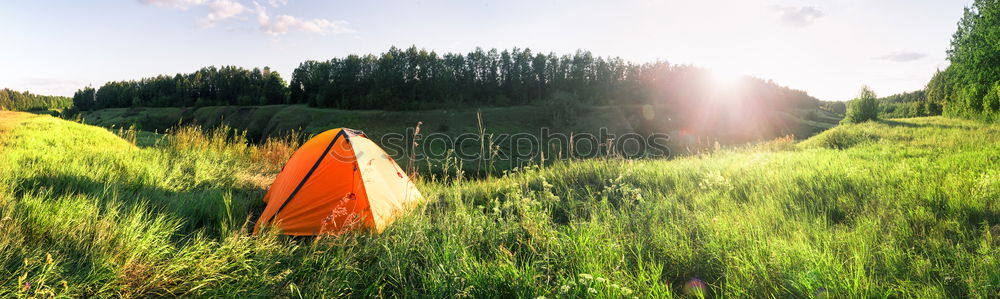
{"type": "Point", "coordinates": [900, 208]}
{"type": "Point", "coordinates": [274, 120]}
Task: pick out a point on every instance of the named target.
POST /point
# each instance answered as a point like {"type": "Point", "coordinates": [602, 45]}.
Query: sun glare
{"type": "Point", "coordinates": [725, 79]}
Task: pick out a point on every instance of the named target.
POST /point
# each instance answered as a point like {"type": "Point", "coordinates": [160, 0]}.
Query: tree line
{"type": "Point", "coordinates": [414, 79]}
{"type": "Point", "coordinates": [970, 86]}
{"type": "Point", "coordinates": [908, 104]}
{"type": "Point", "coordinates": [209, 86]}
{"type": "Point", "coordinates": [419, 79]}
{"type": "Point", "coordinates": [26, 101]}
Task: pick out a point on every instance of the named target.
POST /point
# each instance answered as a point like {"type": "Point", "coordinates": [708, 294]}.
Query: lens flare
{"type": "Point", "coordinates": [723, 79]}
{"type": "Point", "coordinates": [647, 112]}
{"type": "Point", "coordinates": [696, 287]}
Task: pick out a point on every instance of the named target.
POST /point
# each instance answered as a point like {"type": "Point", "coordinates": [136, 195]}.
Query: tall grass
{"type": "Point", "coordinates": [903, 208]}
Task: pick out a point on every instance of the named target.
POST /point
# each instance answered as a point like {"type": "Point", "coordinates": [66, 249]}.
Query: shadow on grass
{"type": "Point", "coordinates": [906, 124]}
{"type": "Point", "coordinates": [213, 211]}
{"type": "Point", "coordinates": [52, 112]}
{"type": "Point", "coordinates": [146, 139]}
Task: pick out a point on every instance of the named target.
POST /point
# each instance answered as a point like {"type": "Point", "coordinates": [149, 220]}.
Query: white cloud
{"type": "Point", "coordinates": [177, 4]}
{"type": "Point", "coordinates": [326, 26]}
{"type": "Point", "coordinates": [220, 10]}
{"type": "Point", "coordinates": [283, 23]}
{"type": "Point", "coordinates": [797, 16]}
{"type": "Point", "coordinates": [277, 3]}
{"type": "Point", "coordinates": [902, 56]}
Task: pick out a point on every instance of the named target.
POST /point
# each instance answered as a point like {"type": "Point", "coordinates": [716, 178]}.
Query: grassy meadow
{"type": "Point", "coordinates": [895, 208]}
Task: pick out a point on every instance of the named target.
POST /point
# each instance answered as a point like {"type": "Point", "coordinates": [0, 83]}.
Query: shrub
{"type": "Point", "coordinates": [783, 143]}
{"type": "Point", "coordinates": [564, 109]}
{"type": "Point", "coordinates": [839, 139]}
{"type": "Point", "coordinates": [991, 102]}
{"type": "Point", "coordinates": [811, 115]}
{"type": "Point", "coordinates": [863, 108]}
{"type": "Point", "coordinates": [933, 108]}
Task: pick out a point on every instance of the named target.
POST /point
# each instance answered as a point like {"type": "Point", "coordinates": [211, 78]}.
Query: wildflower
{"type": "Point", "coordinates": [601, 279]}
{"type": "Point", "coordinates": [540, 297]}
{"type": "Point", "coordinates": [564, 288]}
{"type": "Point", "coordinates": [627, 291]}
{"type": "Point", "coordinates": [27, 286]}
{"type": "Point", "coordinates": [583, 281]}
{"type": "Point", "coordinates": [615, 285]}
{"type": "Point", "coordinates": [586, 276]}
{"type": "Point", "coordinates": [48, 258]}
{"type": "Point", "coordinates": [591, 290]}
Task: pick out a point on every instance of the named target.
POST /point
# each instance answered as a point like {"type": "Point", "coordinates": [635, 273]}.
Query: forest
{"type": "Point", "coordinates": [417, 79]}
{"type": "Point", "coordinates": [414, 79]}
{"type": "Point", "coordinates": [26, 101]}
{"type": "Point", "coordinates": [209, 86]}
{"type": "Point", "coordinates": [908, 104]}
{"type": "Point", "coordinates": [970, 86]}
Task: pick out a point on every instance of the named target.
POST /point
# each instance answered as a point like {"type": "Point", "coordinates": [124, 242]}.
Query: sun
{"type": "Point", "coordinates": [726, 79]}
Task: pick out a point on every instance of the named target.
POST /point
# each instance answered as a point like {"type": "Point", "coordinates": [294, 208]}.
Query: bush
{"type": "Point", "coordinates": [564, 109]}
{"type": "Point", "coordinates": [784, 143]}
{"type": "Point", "coordinates": [863, 108]}
{"type": "Point", "coordinates": [933, 108]}
{"type": "Point", "coordinates": [811, 115]}
{"type": "Point", "coordinates": [991, 102]}
{"type": "Point", "coordinates": [841, 139]}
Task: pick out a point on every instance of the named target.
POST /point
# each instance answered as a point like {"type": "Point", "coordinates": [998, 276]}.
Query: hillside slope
{"type": "Point", "coordinates": [900, 208]}
{"type": "Point", "coordinates": [262, 121]}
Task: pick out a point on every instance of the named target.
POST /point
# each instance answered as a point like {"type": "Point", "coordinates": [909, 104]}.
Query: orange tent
{"type": "Point", "coordinates": [337, 179]}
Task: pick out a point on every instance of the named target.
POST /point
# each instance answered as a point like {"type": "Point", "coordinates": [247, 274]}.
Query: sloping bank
{"type": "Point", "coordinates": [275, 120]}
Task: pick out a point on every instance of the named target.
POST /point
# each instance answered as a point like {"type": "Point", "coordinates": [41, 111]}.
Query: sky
{"type": "Point", "coordinates": [828, 48]}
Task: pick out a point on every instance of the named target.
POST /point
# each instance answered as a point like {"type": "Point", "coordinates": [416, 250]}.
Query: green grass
{"type": "Point", "coordinates": [899, 208]}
